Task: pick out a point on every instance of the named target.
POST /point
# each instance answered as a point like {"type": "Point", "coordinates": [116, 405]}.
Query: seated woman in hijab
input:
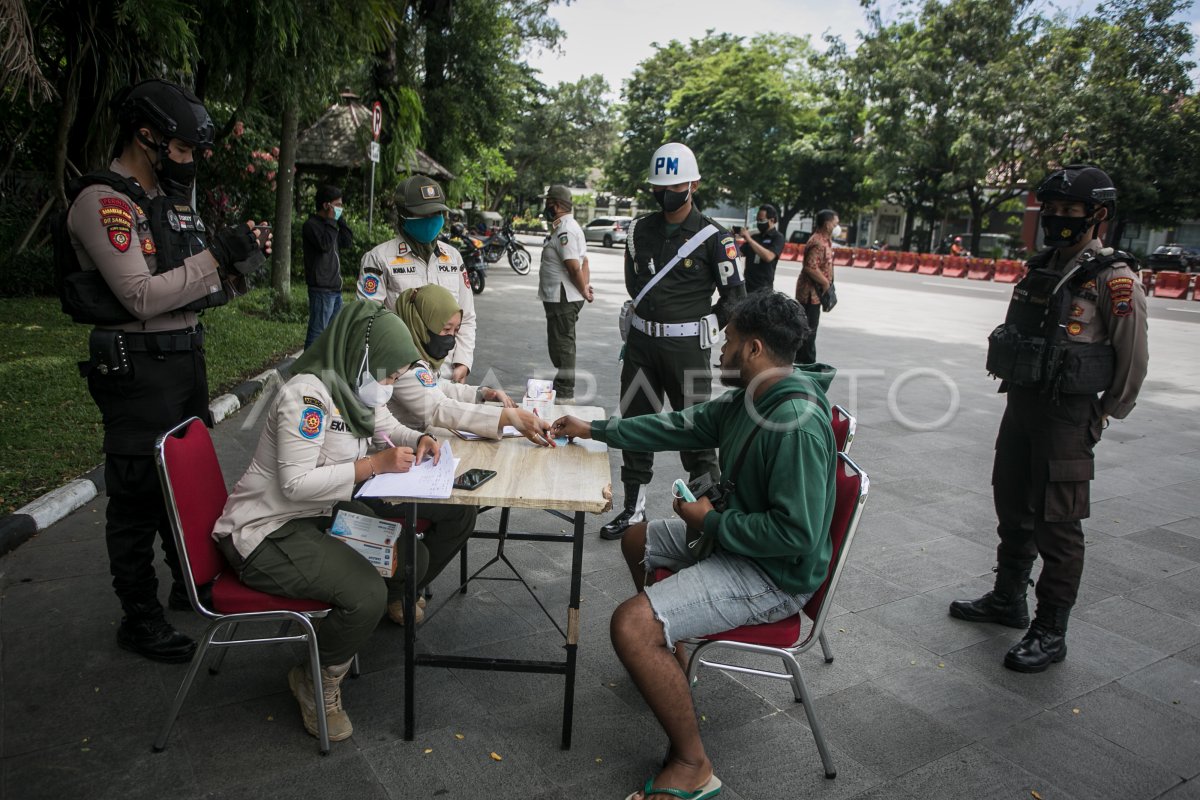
{"type": "Point", "coordinates": [421, 400]}
{"type": "Point", "coordinates": [312, 452]}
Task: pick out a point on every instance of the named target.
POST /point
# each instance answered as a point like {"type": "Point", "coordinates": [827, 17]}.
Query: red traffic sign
{"type": "Point", "coordinates": [376, 120]}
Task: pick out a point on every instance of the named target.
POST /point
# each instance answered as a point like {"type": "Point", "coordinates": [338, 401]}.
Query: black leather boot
{"type": "Point", "coordinates": [1005, 604]}
{"type": "Point", "coordinates": [146, 632]}
{"type": "Point", "coordinates": [633, 512]}
{"type": "Point", "coordinates": [1045, 642]}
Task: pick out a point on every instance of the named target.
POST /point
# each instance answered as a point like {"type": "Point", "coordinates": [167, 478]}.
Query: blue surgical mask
{"type": "Point", "coordinates": [337, 213]}
{"type": "Point", "coordinates": [423, 229]}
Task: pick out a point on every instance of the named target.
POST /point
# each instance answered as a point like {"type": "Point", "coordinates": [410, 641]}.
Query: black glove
{"type": "Point", "coordinates": [233, 245]}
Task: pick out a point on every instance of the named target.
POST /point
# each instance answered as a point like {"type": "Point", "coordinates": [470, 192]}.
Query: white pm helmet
{"type": "Point", "coordinates": [673, 163]}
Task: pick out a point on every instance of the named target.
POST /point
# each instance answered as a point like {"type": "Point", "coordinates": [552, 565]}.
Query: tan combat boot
{"type": "Point", "coordinates": [336, 719]}
{"type": "Point", "coordinates": [395, 611]}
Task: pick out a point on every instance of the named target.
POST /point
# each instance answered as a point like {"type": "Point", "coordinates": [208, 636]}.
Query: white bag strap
{"type": "Point", "coordinates": [688, 248]}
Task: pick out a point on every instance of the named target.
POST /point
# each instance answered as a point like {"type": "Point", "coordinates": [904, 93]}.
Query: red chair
{"type": "Point", "coordinates": [844, 426]}
{"type": "Point", "coordinates": [195, 495]}
{"type": "Point", "coordinates": [784, 639]}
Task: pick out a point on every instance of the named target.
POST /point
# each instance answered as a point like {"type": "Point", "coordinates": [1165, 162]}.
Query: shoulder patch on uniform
{"type": "Point", "coordinates": [731, 250]}
{"type": "Point", "coordinates": [312, 419]}
{"type": "Point", "coordinates": [148, 248]}
{"type": "Point", "coordinates": [1120, 292]}
{"type": "Point", "coordinates": [425, 377]}
{"type": "Point", "coordinates": [1074, 328]}
{"type": "Point", "coordinates": [314, 401]}
{"type": "Point", "coordinates": [563, 239]}
{"type": "Point", "coordinates": [370, 284]}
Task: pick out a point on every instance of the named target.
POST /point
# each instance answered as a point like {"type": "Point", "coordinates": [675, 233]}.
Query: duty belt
{"type": "Point", "coordinates": [165, 341]}
{"type": "Point", "coordinates": [665, 329]}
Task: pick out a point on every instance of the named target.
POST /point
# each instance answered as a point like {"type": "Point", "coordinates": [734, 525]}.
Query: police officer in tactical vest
{"type": "Point", "coordinates": [674, 258]}
{"type": "Point", "coordinates": [1071, 354]}
{"type": "Point", "coordinates": [136, 262]}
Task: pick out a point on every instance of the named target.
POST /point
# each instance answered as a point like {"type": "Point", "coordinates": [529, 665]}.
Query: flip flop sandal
{"type": "Point", "coordinates": [710, 789]}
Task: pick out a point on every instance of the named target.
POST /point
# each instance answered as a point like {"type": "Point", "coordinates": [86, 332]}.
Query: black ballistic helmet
{"type": "Point", "coordinates": [167, 107]}
{"type": "Point", "coordinates": [1083, 183]}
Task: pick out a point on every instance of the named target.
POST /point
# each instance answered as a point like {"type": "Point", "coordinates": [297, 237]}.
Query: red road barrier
{"type": "Point", "coordinates": [863, 258]}
{"type": "Point", "coordinates": [885, 259]}
{"type": "Point", "coordinates": [929, 264]}
{"type": "Point", "coordinates": [906, 262]}
{"type": "Point", "coordinates": [1008, 271]}
{"type": "Point", "coordinates": [842, 256]}
{"type": "Point", "coordinates": [792, 252]}
{"type": "Point", "coordinates": [1147, 281]}
{"type": "Point", "coordinates": [1172, 284]}
{"type": "Point", "coordinates": [980, 269]}
{"type": "Point", "coordinates": [954, 267]}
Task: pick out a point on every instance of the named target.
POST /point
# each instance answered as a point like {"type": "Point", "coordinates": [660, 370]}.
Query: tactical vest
{"type": "Point", "coordinates": [1031, 349]}
{"type": "Point", "coordinates": [175, 228]}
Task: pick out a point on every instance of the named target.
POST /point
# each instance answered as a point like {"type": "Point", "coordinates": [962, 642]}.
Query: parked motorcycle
{"type": "Point", "coordinates": [471, 250]}
{"type": "Point", "coordinates": [505, 241]}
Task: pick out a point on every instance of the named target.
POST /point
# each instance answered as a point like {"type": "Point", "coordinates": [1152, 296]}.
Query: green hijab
{"type": "Point", "coordinates": [336, 357]}
{"type": "Point", "coordinates": [426, 310]}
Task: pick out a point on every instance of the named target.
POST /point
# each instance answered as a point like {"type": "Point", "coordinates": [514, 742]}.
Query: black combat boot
{"type": "Point", "coordinates": [1045, 642]}
{"type": "Point", "coordinates": [633, 513]}
{"type": "Point", "coordinates": [146, 632]}
{"type": "Point", "coordinates": [1005, 604]}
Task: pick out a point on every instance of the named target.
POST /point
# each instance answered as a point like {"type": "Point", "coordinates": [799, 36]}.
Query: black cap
{"type": "Point", "coordinates": [1081, 182]}
{"type": "Point", "coordinates": [167, 107]}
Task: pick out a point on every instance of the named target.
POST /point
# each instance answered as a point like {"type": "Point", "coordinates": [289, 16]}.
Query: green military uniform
{"type": "Point", "coordinates": [663, 353]}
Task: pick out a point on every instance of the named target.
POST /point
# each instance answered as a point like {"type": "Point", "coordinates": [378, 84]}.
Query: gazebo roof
{"type": "Point", "coordinates": [339, 139]}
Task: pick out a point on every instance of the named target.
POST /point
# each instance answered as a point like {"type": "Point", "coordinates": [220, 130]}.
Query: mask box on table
{"type": "Point", "coordinates": [376, 540]}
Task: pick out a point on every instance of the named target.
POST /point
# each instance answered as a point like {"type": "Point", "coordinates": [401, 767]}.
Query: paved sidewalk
{"type": "Point", "coordinates": [915, 706]}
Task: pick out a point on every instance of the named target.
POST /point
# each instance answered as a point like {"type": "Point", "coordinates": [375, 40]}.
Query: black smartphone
{"type": "Point", "coordinates": [473, 478]}
{"type": "Point", "coordinates": [737, 228]}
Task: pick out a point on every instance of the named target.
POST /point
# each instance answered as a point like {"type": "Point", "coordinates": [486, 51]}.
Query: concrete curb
{"type": "Point", "coordinates": [24, 523]}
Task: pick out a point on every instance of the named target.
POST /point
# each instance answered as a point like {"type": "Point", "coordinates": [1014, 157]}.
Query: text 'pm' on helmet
{"type": "Point", "coordinates": [672, 164]}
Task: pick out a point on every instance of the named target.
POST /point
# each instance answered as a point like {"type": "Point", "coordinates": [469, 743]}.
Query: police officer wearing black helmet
{"type": "Point", "coordinates": [1071, 354]}
{"type": "Point", "coordinates": [136, 262]}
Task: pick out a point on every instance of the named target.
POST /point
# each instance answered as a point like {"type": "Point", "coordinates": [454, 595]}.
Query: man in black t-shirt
{"type": "Point", "coordinates": [762, 250]}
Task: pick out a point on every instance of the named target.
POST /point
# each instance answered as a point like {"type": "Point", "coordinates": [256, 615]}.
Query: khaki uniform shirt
{"type": "Point", "coordinates": [420, 400]}
{"type": "Point", "coordinates": [564, 243]}
{"type": "Point", "coordinates": [392, 268]}
{"type": "Point", "coordinates": [304, 463]}
{"type": "Point", "coordinates": [111, 233]}
{"type": "Point", "coordinates": [1111, 309]}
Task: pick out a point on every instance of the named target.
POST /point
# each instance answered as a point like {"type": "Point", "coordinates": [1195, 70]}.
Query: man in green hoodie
{"type": "Point", "coordinates": [773, 546]}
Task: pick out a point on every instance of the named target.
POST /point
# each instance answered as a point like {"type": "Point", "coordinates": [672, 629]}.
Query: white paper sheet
{"type": "Point", "coordinates": [508, 432]}
{"type": "Point", "coordinates": [423, 480]}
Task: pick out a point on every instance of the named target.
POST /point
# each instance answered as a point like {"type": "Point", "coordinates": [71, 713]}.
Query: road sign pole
{"type": "Point", "coordinates": [376, 128]}
{"type": "Point", "coordinates": [371, 212]}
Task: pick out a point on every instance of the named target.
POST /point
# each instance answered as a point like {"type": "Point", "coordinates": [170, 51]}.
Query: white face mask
{"type": "Point", "coordinates": [371, 392]}
{"type": "Point", "coordinates": [836, 233]}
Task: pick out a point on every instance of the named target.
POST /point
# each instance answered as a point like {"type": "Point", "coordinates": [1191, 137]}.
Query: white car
{"type": "Point", "coordinates": [608, 231]}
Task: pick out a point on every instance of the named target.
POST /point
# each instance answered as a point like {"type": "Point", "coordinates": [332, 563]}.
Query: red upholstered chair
{"type": "Point", "coordinates": [785, 639]}
{"type": "Point", "coordinates": [195, 495]}
{"type": "Point", "coordinates": [844, 425]}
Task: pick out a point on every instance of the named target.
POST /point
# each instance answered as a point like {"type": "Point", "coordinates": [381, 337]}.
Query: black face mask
{"type": "Point", "coordinates": [671, 201]}
{"type": "Point", "coordinates": [176, 179]}
{"type": "Point", "coordinates": [763, 227]}
{"type": "Point", "coordinates": [1065, 231]}
{"type": "Point", "coordinates": [439, 345]}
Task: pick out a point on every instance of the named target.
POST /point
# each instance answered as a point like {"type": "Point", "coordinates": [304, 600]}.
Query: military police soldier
{"type": "Point", "coordinates": [563, 286]}
{"type": "Point", "coordinates": [136, 263]}
{"type": "Point", "coordinates": [417, 257]}
{"type": "Point", "coordinates": [1072, 353]}
{"type": "Point", "coordinates": [674, 258]}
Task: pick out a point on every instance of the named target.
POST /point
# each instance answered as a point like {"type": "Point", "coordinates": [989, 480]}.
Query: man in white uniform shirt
{"type": "Point", "coordinates": [416, 258]}
{"type": "Point", "coordinates": [563, 285]}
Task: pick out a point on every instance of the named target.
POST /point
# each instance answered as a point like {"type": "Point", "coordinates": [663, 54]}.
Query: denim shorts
{"type": "Point", "coordinates": [722, 592]}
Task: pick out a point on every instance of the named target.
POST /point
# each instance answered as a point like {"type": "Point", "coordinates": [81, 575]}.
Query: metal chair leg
{"type": "Point", "coordinates": [314, 664]}
{"type": "Point", "coordinates": [160, 744]}
{"type": "Point", "coordinates": [825, 648]}
{"type": "Point", "coordinates": [215, 666]}
{"type": "Point", "coordinates": [354, 672]}
{"type": "Point", "coordinates": [810, 711]}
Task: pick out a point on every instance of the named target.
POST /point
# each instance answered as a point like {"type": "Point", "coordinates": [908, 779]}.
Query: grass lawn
{"type": "Point", "coordinates": [50, 428]}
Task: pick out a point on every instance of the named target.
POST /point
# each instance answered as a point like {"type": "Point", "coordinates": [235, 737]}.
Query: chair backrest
{"type": "Point", "coordinates": [852, 485]}
{"type": "Point", "coordinates": [195, 495]}
{"type": "Point", "coordinates": [843, 429]}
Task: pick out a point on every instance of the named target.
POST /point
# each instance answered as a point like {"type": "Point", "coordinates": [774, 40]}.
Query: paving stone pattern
{"type": "Point", "coordinates": [916, 705]}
